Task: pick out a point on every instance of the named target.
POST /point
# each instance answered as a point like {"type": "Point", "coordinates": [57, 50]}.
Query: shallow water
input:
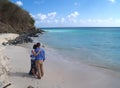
{"type": "Point", "coordinates": [96, 46]}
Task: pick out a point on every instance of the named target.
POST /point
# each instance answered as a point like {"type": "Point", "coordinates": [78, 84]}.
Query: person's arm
{"type": "Point", "coordinates": [38, 52]}
{"type": "Point", "coordinates": [34, 53]}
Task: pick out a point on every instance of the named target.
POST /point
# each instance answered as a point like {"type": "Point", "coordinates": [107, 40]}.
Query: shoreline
{"type": "Point", "coordinates": [98, 64]}
{"type": "Point", "coordinates": [78, 61]}
{"type": "Point", "coordinates": [58, 73]}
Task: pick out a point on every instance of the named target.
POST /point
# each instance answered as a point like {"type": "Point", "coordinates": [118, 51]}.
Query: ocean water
{"type": "Point", "coordinates": [92, 45]}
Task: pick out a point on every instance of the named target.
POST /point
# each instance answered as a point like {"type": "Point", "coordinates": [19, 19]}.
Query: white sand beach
{"type": "Point", "coordinates": [59, 72]}
{"type": "Point", "coordinates": [4, 60]}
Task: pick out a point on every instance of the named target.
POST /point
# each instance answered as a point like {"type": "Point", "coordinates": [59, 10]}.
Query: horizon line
{"type": "Point", "coordinates": [77, 27]}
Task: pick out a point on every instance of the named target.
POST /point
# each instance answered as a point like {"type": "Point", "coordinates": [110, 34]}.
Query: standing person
{"type": "Point", "coordinates": [33, 66]}
{"type": "Point", "coordinates": [40, 58]}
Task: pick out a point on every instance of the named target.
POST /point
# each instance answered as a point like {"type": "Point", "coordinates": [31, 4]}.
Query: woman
{"type": "Point", "coordinates": [33, 66]}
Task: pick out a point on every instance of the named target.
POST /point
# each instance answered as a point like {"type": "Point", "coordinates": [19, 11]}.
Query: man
{"type": "Point", "coordinates": [39, 58]}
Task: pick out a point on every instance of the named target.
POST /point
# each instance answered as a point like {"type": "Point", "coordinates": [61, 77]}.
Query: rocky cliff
{"type": "Point", "coordinates": [14, 19]}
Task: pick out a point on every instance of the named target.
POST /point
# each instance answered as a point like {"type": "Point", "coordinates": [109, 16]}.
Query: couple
{"type": "Point", "coordinates": [37, 59]}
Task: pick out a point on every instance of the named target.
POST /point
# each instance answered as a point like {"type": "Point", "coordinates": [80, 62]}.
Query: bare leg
{"type": "Point", "coordinates": [33, 71]}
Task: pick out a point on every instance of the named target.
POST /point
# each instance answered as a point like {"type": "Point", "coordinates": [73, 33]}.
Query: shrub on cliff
{"type": "Point", "coordinates": [14, 19]}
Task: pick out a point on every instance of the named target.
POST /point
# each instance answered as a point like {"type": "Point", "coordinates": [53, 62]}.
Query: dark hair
{"type": "Point", "coordinates": [38, 44]}
{"type": "Point", "coordinates": [34, 46]}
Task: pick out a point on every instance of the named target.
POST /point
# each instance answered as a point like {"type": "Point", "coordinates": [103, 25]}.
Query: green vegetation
{"type": "Point", "coordinates": [14, 19]}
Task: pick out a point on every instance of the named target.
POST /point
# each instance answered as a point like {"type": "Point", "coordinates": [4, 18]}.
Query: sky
{"type": "Point", "coordinates": [73, 13]}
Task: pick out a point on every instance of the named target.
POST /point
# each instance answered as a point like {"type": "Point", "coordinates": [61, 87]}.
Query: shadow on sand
{"type": "Point", "coordinates": [20, 74]}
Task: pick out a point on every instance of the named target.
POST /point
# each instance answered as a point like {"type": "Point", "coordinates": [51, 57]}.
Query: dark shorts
{"type": "Point", "coordinates": [33, 64]}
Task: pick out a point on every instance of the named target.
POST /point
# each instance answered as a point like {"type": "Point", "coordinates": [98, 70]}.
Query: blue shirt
{"type": "Point", "coordinates": [41, 54]}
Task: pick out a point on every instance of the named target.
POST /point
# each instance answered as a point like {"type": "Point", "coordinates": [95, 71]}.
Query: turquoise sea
{"type": "Point", "coordinates": [98, 46]}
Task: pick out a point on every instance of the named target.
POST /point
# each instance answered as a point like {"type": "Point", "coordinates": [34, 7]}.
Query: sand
{"type": "Point", "coordinates": [59, 72]}
{"type": "Point", "coordinates": [4, 60]}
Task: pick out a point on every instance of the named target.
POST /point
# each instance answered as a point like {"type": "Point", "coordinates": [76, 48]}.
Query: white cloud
{"type": "Point", "coordinates": [108, 22]}
{"type": "Point", "coordinates": [62, 20]}
{"type": "Point", "coordinates": [56, 21]}
{"type": "Point", "coordinates": [41, 16]}
{"type": "Point", "coordinates": [117, 20]}
{"type": "Point", "coordinates": [52, 15]}
{"type": "Point", "coordinates": [45, 19]}
{"type": "Point", "coordinates": [53, 20]}
{"type": "Point", "coordinates": [32, 15]}
{"type": "Point", "coordinates": [19, 3]}
{"type": "Point", "coordinates": [72, 17]}
{"type": "Point", "coordinates": [112, 1]}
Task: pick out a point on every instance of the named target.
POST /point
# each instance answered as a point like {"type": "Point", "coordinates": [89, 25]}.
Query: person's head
{"type": "Point", "coordinates": [34, 46]}
{"type": "Point", "coordinates": [38, 44]}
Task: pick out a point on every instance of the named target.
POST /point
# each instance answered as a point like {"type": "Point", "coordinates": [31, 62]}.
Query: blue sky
{"type": "Point", "coordinates": [73, 13]}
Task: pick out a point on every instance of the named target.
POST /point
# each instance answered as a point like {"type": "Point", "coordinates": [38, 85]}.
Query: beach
{"type": "Point", "coordinates": [59, 73]}
{"type": "Point", "coordinates": [4, 60]}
